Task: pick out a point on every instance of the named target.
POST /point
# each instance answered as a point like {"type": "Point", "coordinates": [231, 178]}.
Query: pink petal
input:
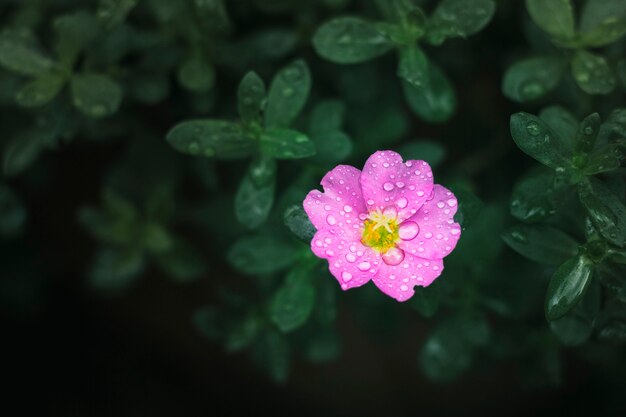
{"type": "Point", "coordinates": [438, 233]}
{"type": "Point", "coordinates": [387, 181]}
{"type": "Point", "coordinates": [339, 206]}
{"type": "Point", "coordinates": [397, 281]}
{"type": "Point", "coordinates": [348, 260]}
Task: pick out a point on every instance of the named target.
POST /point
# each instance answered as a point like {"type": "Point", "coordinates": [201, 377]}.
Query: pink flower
{"type": "Point", "coordinates": [388, 223]}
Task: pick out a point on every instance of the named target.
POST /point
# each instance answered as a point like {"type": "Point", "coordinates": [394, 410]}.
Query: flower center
{"type": "Point", "coordinates": [381, 230]}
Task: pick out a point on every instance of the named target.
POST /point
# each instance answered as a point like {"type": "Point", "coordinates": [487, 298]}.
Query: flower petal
{"type": "Point", "coordinates": [339, 206]}
{"type": "Point", "coordinates": [397, 281]}
{"type": "Point", "coordinates": [352, 263]}
{"type": "Point", "coordinates": [386, 181]}
{"type": "Point", "coordinates": [438, 233]}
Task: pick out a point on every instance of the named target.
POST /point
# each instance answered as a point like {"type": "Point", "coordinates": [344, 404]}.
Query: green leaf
{"type": "Point", "coordinates": [349, 40]}
{"type": "Point", "coordinates": [532, 78]}
{"type": "Point", "coordinates": [287, 144]}
{"type": "Point", "coordinates": [255, 195]}
{"type": "Point", "coordinates": [40, 91]}
{"type": "Point", "coordinates": [459, 18]}
{"type": "Point", "coordinates": [331, 147]}
{"type": "Point", "coordinates": [327, 116]}
{"type": "Point", "coordinates": [211, 138]}
{"type": "Point", "coordinates": [156, 238]}
{"type": "Point", "coordinates": [470, 206]}
{"type": "Point", "coordinates": [536, 139]}
{"type": "Point", "coordinates": [288, 94]}
{"type": "Point", "coordinates": [613, 277]}
{"type": "Point", "coordinates": [117, 223]}
{"type": "Point", "coordinates": [272, 353]}
{"type": "Point", "coordinates": [436, 102]}
{"type": "Point", "coordinates": [592, 73]}
{"type": "Point", "coordinates": [250, 97]}
{"type": "Point", "coordinates": [539, 243]}
{"type": "Point", "coordinates": [534, 197]}
{"type": "Point", "coordinates": [74, 33]}
{"type": "Point", "coordinates": [113, 269]}
{"type": "Point", "coordinates": [17, 55]}
{"type": "Point", "coordinates": [12, 212]}
{"type": "Point", "coordinates": [196, 74]}
{"type": "Point", "coordinates": [261, 255]}
{"type": "Point", "coordinates": [423, 149]}
{"type": "Point", "coordinates": [242, 333]}
{"type": "Point", "coordinates": [621, 70]}
{"type": "Point", "coordinates": [605, 210]}
{"type": "Point", "coordinates": [22, 152]}
{"type": "Point", "coordinates": [182, 263]}
{"type": "Point", "coordinates": [95, 95]}
{"type": "Point", "coordinates": [602, 22]}
{"type": "Point", "coordinates": [298, 222]}
{"type": "Point", "coordinates": [604, 159]}
{"type": "Point", "coordinates": [587, 133]}
{"type": "Point", "coordinates": [567, 286]}
{"type": "Point", "coordinates": [562, 123]}
{"type": "Point", "coordinates": [555, 17]}
{"type": "Point", "coordinates": [293, 303]}
{"type": "Point", "coordinates": [113, 12]}
{"type": "Point", "coordinates": [413, 66]}
{"type": "Point", "coordinates": [571, 330]}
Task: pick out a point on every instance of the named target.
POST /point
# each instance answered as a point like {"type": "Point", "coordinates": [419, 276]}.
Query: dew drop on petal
{"type": "Point", "coordinates": [364, 266]}
{"type": "Point", "coordinates": [330, 219]}
{"type": "Point", "coordinates": [420, 193]}
{"type": "Point", "coordinates": [330, 252]}
{"type": "Point", "coordinates": [408, 230]}
{"type": "Point", "coordinates": [452, 202]}
{"type": "Point", "coordinates": [346, 276]}
{"type": "Point", "coordinates": [402, 202]}
{"type": "Point", "coordinates": [403, 288]}
{"type": "Point", "coordinates": [347, 209]}
{"type": "Point", "coordinates": [350, 257]}
{"type": "Point", "coordinates": [455, 231]}
{"type": "Point", "coordinates": [387, 186]}
{"type": "Point", "coordinates": [428, 235]}
{"type": "Point", "coordinates": [440, 204]}
{"type": "Point", "coordinates": [370, 202]}
{"type": "Point", "coordinates": [393, 256]}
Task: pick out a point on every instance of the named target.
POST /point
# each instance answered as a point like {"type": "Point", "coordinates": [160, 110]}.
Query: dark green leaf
{"type": "Point", "coordinates": [196, 74]}
{"type": "Point", "coordinates": [218, 138]}
{"type": "Point", "coordinates": [567, 286]}
{"type": "Point", "coordinates": [327, 116]}
{"type": "Point", "coordinates": [74, 33]}
{"type": "Point", "coordinates": [535, 198]}
{"type": "Point", "coordinates": [605, 210]}
{"type": "Point", "coordinates": [592, 73]}
{"type": "Point", "coordinates": [532, 78]}
{"type": "Point", "coordinates": [96, 95]}
{"type": "Point", "coordinates": [242, 333]}
{"type": "Point", "coordinates": [250, 97]}
{"type": "Point", "coordinates": [413, 66]}
{"type": "Point", "coordinates": [40, 91]}
{"type": "Point", "coordinates": [536, 139]}
{"type": "Point", "coordinates": [469, 206]}
{"type": "Point", "coordinates": [436, 102]}
{"type": "Point", "coordinates": [155, 238]}
{"type": "Point", "coordinates": [116, 269]}
{"type": "Point", "coordinates": [602, 22]}
{"type": "Point", "coordinates": [113, 12]}
{"type": "Point", "coordinates": [349, 40]}
{"type": "Point", "coordinates": [17, 55]}
{"type": "Point", "coordinates": [293, 303]}
{"type": "Point", "coordinates": [562, 123]}
{"type": "Point", "coordinates": [288, 94]}
{"type": "Point", "coordinates": [287, 144]}
{"type": "Point", "coordinates": [587, 133]}
{"type": "Point", "coordinates": [255, 195]}
{"type": "Point", "coordinates": [183, 263]}
{"type": "Point", "coordinates": [555, 17]}
{"type": "Point", "coordinates": [426, 150]}
{"type": "Point", "coordinates": [298, 222]}
{"type": "Point", "coordinates": [261, 255]}
{"type": "Point", "coordinates": [543, 244]}
{"type": "Point", "coordinates": [272, 353]}
{"type": "Point", "coordinates": [571, 330]}
{"type": "Point", "coordinates": [459, 18]}
{"type": "Point", "coordinates": [22, 152]}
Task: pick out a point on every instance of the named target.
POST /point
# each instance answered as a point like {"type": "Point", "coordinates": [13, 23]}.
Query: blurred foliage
{"type": "Point", "coordinates": [214, 119]}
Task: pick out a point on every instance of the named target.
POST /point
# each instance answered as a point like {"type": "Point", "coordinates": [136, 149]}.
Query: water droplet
{"type": "Point", "coordinates": [194, 148]}
{"type": "Point", "coordinates": [330, 219]}
{"type": "Point", "coordinates": [393, 256]}
{"type": "Point", "coordinates": [403, 287]}
{"type": "Point", "coordinates": [428, 235]}
{"type": "Point", "coordinates": [350, 257]}
{"type": "Point", "coordinates": [455, 231]}
{"type": "Point", "coordinates": [391, 212]}
{"type": "Point", "coordinates": [318, 243]}
{"type": "Point", "coordinates": [402, 202]}
{"type": "Point", "coordinates": [519, 236]}
{"type": "Point", "coordinates": [364, 266]}
{"type": "Point", "coordinates": [420, 193]}
{"type": "Point", "coordinates": [288, 92]}
{"type": "Point", "coordinates": [387, 186]}
{"type": "Point", "coordinates": [441, 204]}
{"type": "Point", "coordinates": [370, 202]}
{"type": "Point", "coordinates": [329, 252]}
{"type": "Point", "coordinates": [533, 128]}
{"type": "Point", "coordinates": [452, 202]}
{"type": "Point", "coordinates": [347, 208]}
{"type": "Point", "coordinates": [301, 139]}
{"type": "Point", "coordinates": [588, 130]}
{"type": "Point", "coordinates": [400, 184]}
{"type": "Point", "coordinates": [327, 207]}
{"type": "Point", "coordinates": [209, 152]}
{"type": "Point", "coordinates": [408, 230]}
{"type": "Point", "coordinates": [346, 276]}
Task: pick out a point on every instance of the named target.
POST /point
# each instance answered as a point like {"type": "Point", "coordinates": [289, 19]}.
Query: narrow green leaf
{"type": "Point", "coordinates": [22, 152]}
{"type": "Point", "coordinates": [298, 222]}
{"type": "Point", "coordinates": [40, 91]}
{"type": "Point", "coordinates": [592, 73]}
{"type": "Point", "coordinates": [293, 303]}
{"type": "Point", "coordinates": [602, 22]}
{"type": "Point", "coordinates": [536, 139]}
{"type": "Point", "coordinates": [288, 94]}
{"type": "Point", "coordinates": [273, 354]}
{"type": "Point", "coordinates": [413, 66]}
{"type": "Point", "coordinates": [532, 78]}
{"type": "Point", "coordinates": [261, 255]}
{"type": "Point", "coordinates": [113, 12]}
{"type": "Point", "coordinates": [604, 159]}
{"type": "Point", "coordinates": [96, 95]}
{"type": "Point", "coordinates": [539, 243]}
{"type": "Point", "coordinates": [331, 147]}
{"type": "Point", "coordinates": [250, 97]}
{"type": "Point", "coordinates": [562, 123]}
{"type": "Point", "coordinates": [605, 210]}
{"type": "Point", "coordinates": [255, 195]}
{"type": "Point", "coordinates": [459, 18]}
{"type": "Point", "coordinates": [535, 198]}
{"type": "Point", "coordinates": [327, 116]}
{"type": "Point", "coordinates": [555, 17]}
{"type": "Point", "coordinates": [587, 133]}
{"type": "Point", "coordinates": [242, 333]}
{"type": "Point", "coordinates": [287, 144]}
{"type": "Point", "coordinates": [74, 32]}
{"type": "Point", "coordinates": [211, 138]}
{"type": "Point", "coordinates": [196, 74]}
{"type": "Point", "coordinates": [567, 286]}
{"type": "Point", "coordinates": [436, 102]}
{"type": "Point", "coordinates": [349, 40]}
{"type": "Point", "coordinates": [17, 55]}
